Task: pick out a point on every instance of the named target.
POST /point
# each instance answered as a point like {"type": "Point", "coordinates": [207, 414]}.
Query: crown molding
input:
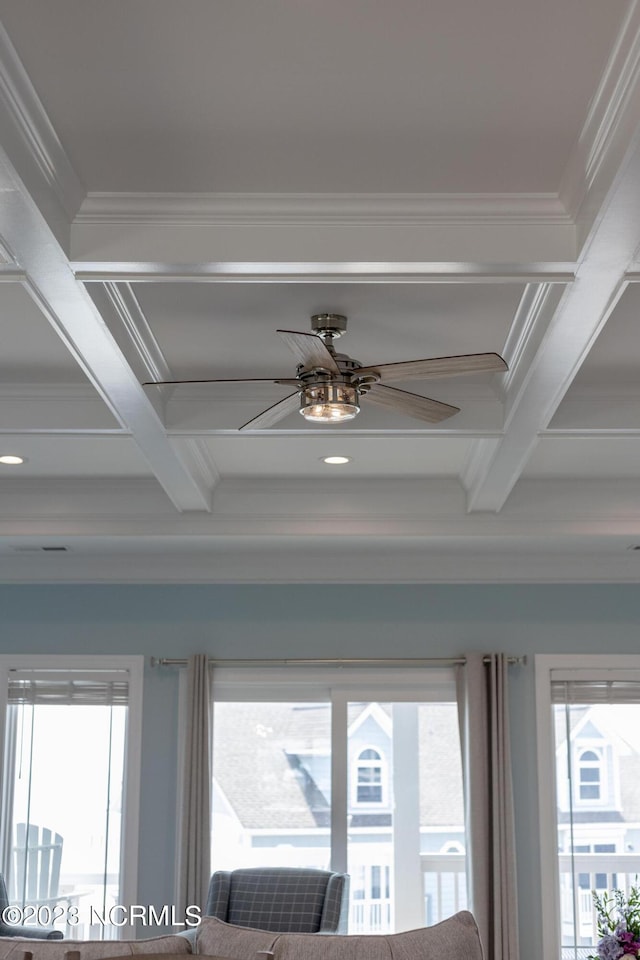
{"type": "Point", "coordinates": [326, 272]}
{"type": "Point", "coordinates": [33, 130]}
{"type": "Point", "coordinates": [534, 314]}
{"type": "Point", "coordinates": [348, 209]}
{"type": "Point", "coordinates": [8, 265]}
{"type": "Point", "coordinates": [135, 328]}
{"type": "Point", "coordinates": [524, 323]}
{"type": "Point", "coordinates": [616, 95]}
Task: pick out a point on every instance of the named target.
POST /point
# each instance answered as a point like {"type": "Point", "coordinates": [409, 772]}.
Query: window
{"type": "Point", "coordinates": [589, 775]}
{"type": "Point", "coordinates": [454, 847]}
{"type": "Point", "coordinates": [588, 755]}
{"type": "Point", "coordinates": [330, 768]}
{"type": "Point", "coordinates": [69, 826]}
{"type": "Point", "coordinates": [369, 777]}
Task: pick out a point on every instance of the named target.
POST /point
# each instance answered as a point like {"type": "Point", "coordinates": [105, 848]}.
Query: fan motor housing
{"type": "Point", "coordinates": [329, 325]}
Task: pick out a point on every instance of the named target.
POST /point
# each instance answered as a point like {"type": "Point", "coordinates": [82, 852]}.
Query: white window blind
{"type": "Point", "coordinates": [84, 689]}
{"type": "Point", "coordinates": [595, 691]}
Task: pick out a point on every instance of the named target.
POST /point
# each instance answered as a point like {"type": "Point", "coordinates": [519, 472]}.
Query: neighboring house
{"type": "Point", "coordinates": [598, 794]}
{"type": "Point", "coordinates": [598, 782]}
{"type": "Point", "coordinates": [272, 793]}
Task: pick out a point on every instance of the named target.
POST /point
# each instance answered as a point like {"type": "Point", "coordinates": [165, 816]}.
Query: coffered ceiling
{"type": "Point", "coordinates": [180, 181]}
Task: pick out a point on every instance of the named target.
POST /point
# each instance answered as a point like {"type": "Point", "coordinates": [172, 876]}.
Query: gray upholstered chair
{"type": "Point", "coordinates": [15, 930]}
{"type": "Point", "coordinates": [280, 899]}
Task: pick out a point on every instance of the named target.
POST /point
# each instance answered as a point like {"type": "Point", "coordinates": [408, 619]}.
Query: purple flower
{"type": "Point", "coordinates": [628, 942]}
{"type": "Point", "coordinates": [609, 948]}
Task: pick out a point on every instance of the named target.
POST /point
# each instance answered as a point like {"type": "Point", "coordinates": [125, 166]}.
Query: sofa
{"type": "Point", "coordinates": [456, 938]}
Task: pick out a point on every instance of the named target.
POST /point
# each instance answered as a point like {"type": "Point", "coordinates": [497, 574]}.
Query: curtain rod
{"type": "Point", "coordinates": [397, 662]}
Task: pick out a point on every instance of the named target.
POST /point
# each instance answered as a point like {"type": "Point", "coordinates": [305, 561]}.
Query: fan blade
{"type": "Point", "coordinates": [410, 403]}
{"type": "Point", "coordinates": [278, 411]}
{"type": "Point", "coordinates": [436, 367]}
{"type": "Point", "coordinates": [172, 383]}
{"type": "Point", "coordinates": [310, 350]}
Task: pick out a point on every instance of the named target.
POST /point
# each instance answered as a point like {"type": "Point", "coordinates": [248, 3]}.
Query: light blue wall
{"type": "Point", "coordinates": [323, 621]}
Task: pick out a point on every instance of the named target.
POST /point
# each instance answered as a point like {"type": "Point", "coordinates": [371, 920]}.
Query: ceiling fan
{"type": "Point", "coordinates": [329, 386]}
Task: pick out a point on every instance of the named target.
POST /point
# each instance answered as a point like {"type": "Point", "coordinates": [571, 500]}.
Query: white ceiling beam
{"type": "Point", "coordinates": [528, 329]}
{"type": "Point", "coordinates": [600, 186]}
{"type": "Point", "coordinates": [126, 320]}
{"type": "Point", "coordinates": [494, 468]}
{"type": "Point", "coordinates": [279, 507]}
{"type": "Point", "coordinates": [72, 313]}
{"type": "Point", "coordinates": [196, 231]}
{"type": "Point", "coordinates": [608, 251]}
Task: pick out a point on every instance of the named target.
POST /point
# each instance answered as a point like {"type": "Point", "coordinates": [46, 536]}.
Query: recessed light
{"type": "Point", "coordinates": [11, 459]}
{"type": "Point", "coordinates": [336, 460]}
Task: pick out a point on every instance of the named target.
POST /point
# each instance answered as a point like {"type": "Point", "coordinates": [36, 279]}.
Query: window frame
{"type": "Point", "coordinates": [585, 667]}
{"type": "Point", "coordinates": [134, 665]}
{"type": "Point", "coordinates": [339, 686]}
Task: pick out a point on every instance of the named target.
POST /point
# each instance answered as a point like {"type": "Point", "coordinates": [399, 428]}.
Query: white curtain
{"type": "Point", "coordinates": [194, 855]}
{"type": "Point", "coordinates": [486, 759]}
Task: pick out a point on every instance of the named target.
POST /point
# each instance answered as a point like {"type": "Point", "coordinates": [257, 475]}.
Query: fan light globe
{"type": "Point", "coordinates": [329, 402]}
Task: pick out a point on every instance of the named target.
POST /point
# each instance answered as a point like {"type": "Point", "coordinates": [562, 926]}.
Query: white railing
{"type": "Point", "coordinates": [444, 885]}
{"type": "Point", "coordinates": [370, 916]}
{"type": "Point", "coordinates": [580, 874]}
{"type": "Point", "coordinates": [444, 890]}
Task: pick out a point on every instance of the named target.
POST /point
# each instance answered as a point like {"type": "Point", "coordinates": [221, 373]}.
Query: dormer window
{"type": "Point", "coordinates": [590, 775]}
{"type": "Point", "coordinates": [369, 779]}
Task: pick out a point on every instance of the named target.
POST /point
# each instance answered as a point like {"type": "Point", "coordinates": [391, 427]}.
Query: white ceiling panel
{"type": "Point", "coordinates": [585, 458]}
{"type": "Point", "coordinates": [605, 393]}
{"type": "Point", "coordinates": [613, 362]}
{"type": "Point", "coordinates": [32, 352]}
{"type": "Point", "coordinates": [72, 457]}
{"type": "Point", "coordinates": [229, 330]}
{"type": "Point", "coordinates": [303, 457]}
{"type": "Point", "coordinates": [328, 97]}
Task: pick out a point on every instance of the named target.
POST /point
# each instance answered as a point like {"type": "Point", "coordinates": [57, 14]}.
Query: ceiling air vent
{"type": "Point", "coordinates": [40, 549]}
